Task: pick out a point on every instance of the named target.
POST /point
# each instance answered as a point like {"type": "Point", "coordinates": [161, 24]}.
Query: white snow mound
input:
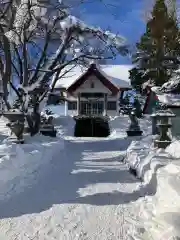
{"type": "Point", "coordinates": [145, 159]}
{"type": "Point", "coordinates": [20, 163]}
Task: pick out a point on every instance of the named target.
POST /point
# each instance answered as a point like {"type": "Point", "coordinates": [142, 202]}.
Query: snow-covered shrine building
{"type": "Point", "coordinates": [95, 90]}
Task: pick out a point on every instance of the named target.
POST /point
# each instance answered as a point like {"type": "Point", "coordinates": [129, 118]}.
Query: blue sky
{"type": "Point", "coordinates": [121, 16]}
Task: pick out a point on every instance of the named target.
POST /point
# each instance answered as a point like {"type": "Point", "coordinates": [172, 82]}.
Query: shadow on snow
{"type": "Point", "coordinates": [60, 181]}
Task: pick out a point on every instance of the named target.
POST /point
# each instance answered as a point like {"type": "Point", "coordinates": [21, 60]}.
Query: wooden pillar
{"type": "Point", "coordinates": [105, 104]}
{"type": "Point", "coordinates": [78, 104]}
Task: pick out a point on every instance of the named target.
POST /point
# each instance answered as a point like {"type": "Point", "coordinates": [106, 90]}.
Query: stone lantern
{"type": "Point", "coordinates": [16, 125]}
{"type": "Point", "coordinates": [163, 123]}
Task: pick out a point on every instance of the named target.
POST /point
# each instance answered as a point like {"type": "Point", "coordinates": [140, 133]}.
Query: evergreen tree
{"type": "Point", "coordinates": [158, 49]}
{"type": "Point", "coordinates": [137, 79]}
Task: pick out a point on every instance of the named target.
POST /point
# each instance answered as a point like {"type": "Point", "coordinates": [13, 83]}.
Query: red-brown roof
{"type": "Point", "coordinates": [92, 70]}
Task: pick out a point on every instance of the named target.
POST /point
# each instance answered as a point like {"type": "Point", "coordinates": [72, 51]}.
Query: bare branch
{"type": "Point", "coordinates": [46, 39]}
{"type": "Point", "coordinates": [20, 63]}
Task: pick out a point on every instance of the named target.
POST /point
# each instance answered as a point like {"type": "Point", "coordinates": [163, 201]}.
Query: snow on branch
{"type": "Point", "coordinates": [45, 39]}
{"type": "Point", "coordinates": [34, 16]}
{"type": "Point", "coordinates": [172, 86]}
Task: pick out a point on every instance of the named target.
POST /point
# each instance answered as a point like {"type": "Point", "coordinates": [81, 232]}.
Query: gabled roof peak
{"type": "Point", "coordinates": [117, 74]}
{"type": "Point", "coordinates": [105, 80]}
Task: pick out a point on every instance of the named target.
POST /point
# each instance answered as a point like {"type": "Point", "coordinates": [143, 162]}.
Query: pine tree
{"type": "Point", "coordinates": [136, 79]}
{"type": "Point", "coordinates": [159, 48]}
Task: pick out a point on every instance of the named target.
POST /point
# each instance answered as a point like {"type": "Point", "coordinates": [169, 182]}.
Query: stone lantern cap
{"type": "Point", "coordinates": [163, 113]}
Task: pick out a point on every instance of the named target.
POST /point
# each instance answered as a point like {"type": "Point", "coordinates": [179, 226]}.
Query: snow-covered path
{"type": "Point", "coordinates": [86, 193]}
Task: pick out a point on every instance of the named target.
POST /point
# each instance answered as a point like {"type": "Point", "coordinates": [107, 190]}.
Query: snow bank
{"type": "Point", "coordinates": [141, 155]}
{"type": "Point", "coordinates": [161, 211]}
{"type": "Point", "coordinates": [160, 171]}
{"type": "Point", "coordinates": [19, 164]}
{"type": "Point", "coordinates": [145, 159]}
{"type": "Point", "coordinates": [136, 156]}
{"type": "Point", "coordinates": [118, 126]}
{"type": "Point", "coordinates": [172, 149]}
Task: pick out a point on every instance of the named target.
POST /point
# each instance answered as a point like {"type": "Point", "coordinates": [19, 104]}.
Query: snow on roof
{"type": "Point", "coordinates": [117, 74]}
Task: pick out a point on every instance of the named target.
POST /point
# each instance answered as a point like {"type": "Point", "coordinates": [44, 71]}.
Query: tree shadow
{"type": "Point", "coordinates": [103, 145]}
{"type": "Point", "coordinates": [116, 197]}
{"type": "Point", "coordinates": [60, 181]}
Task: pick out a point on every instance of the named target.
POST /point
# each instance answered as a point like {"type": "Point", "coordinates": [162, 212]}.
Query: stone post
{"type": "Point", "coordinates": [105, 104]}
{"type": "Point", "coordinates": [154, 125]}
{"type": "Point", "coordinates": [78, 104]}
{"type": "Point", "coordinates": [117, 104]}
{"type": "Point", "coordinates": [66, 108]}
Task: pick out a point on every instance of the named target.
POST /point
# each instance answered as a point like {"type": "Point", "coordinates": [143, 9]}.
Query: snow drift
{"type": "Point", "coordinates": [160, 171]}
{"type": "Point", "coordinates": [161, 211]}
{"type": "Point", "coordinates": [145, 159]}
{"type": "Point", "coordinates": [20, 163]}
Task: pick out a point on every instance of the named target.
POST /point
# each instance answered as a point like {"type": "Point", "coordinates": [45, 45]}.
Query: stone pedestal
{"type": "Point", "coordinates": [16, 125]}
{"type": "Point", "coordinates": [48, 130]}
{"type": "Point", "coordinates": [155, 129]}
{"type": "Point", "coordinates": [134, 128]}
{"type": "Point", "coordinates": [47, 127]}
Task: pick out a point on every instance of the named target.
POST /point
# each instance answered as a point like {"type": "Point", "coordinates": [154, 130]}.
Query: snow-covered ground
{"type": "Point", "coordinates": [19, 164]}
{"type": "Point", "coordinates": [80, 188]}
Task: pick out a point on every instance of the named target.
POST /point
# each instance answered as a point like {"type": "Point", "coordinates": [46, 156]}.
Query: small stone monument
{"type": "Point", "coordinates": [134, 128]}
{"type": "Point", "coordinates": [16, 125]}
{"type": "Point", "coordinates": [47, 128]}
{"type": "Point", "coordinates": [164, 138]}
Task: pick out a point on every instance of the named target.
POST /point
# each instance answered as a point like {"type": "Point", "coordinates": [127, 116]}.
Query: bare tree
{"type": "Point", "coordinates": [39, 39]}
{"type": "Point", "coordinates": [6, 12]}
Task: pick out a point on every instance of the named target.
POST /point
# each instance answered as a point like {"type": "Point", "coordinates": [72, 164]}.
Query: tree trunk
{"type": "Point", "coordinates": [34, 120]}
